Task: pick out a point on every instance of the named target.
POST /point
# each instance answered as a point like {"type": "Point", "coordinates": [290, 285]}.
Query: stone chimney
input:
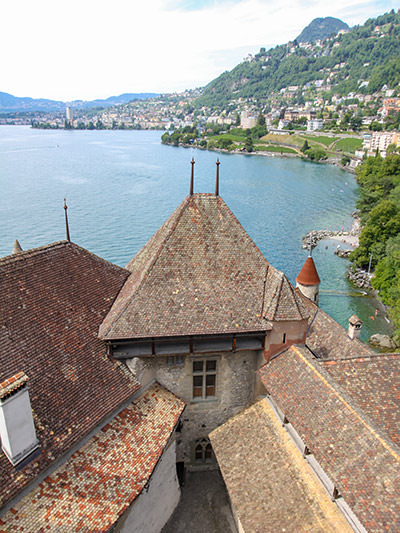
{"type": "Point", "coordinates": [17, 430]}
{"type": "Point", "coordinates": [355, 325]}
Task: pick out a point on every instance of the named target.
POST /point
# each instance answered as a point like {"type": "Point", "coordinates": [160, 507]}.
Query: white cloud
{"type": "Point", "coordinates": [90, 49]}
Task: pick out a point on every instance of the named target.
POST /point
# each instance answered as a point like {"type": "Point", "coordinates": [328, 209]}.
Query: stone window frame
{"type": "Point", "coordinates": [203, 454]}
{"type": "Point", "coordinates": [175, 360]}
{"type": "Point", "coordinates": [204, 373]}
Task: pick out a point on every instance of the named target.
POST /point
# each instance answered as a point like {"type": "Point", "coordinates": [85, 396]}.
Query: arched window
{"type": "Point", "coordinates": [203, 452]}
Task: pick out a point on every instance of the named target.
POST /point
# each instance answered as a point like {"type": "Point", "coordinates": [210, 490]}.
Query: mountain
{"type": "Point", "coordinates": [114, 100]}
{"type": "Point", "coordinates": [362, 60]}
{"type": "Point", "coordinates": [10, 103]}
{"type": "Point", "coordinates": [321, 28]}
{"type": "Point", "coordinates": [13, 104]}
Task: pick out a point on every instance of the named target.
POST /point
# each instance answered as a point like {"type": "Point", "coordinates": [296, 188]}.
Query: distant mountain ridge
{"type": "Point", "coordinates": [321, 28]}
{"type": "Point", "coordinates": [13, 104]}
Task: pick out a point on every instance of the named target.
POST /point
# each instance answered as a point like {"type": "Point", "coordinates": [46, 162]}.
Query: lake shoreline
{"type": "Point", "coordinates": [330, 161]}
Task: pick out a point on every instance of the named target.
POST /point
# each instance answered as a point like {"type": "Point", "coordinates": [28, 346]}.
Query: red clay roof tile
{"type": "Point", "coordinates": [52, 301]}
{"type": "Point", "coordinates": [200, 273]}
{"type": "Point", "coordinates": [308, 274]}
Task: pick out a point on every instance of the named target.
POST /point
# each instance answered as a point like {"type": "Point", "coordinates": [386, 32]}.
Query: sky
{"type": "Point", "coordinates": [87, 49]}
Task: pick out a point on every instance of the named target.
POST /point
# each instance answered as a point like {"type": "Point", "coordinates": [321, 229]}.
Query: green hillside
{"type": "Point", "coordinates": [321, 28]}
{"type": "Point", "coordinates": [362, 60]}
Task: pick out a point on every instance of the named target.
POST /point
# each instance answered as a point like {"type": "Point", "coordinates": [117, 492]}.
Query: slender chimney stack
{"type": "Point", "coordinates": [217, 179]}
{"type": "Point", "coordinates": [355, 325]}
{"type": "Point", "coordinates": [17, 429]}
{"type": "Point", "coordinates": [192, 177]}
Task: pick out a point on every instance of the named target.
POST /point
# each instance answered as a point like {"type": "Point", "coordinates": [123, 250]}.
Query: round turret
{"type": "Point", "coordinates": [308, 281]}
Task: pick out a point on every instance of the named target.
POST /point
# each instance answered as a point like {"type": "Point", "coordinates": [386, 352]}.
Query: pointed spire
{"type": "Point", "coordinates": [66, 220]}
{"type": "Point", "coordinates": [192, 177]}
{"type": "Point", "coordinates": [17, 247]}
{"type": "Point", "coordinates": [217, 179]}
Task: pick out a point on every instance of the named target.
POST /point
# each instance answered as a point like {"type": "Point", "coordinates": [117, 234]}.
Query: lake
{"type": "Point", "coordinates": [122, 185]}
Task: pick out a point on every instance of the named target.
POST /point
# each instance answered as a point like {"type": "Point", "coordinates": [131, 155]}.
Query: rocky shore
{"type": "Point", "coordinates": [359, 277]}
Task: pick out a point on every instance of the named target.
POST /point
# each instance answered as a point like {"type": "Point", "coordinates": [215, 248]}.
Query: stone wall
{"type": "Point", "coordinates": [235, 389]}
{"type": "Point", "coordinates": [152, 509]}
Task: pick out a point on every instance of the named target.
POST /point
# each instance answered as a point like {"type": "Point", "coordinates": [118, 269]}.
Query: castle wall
{"type": "Point", "coordinates": [234, 390]}
{"type": "Point", "coordinates": [283, 334]}
{"type": "Point", "coordinates": [154, 506]}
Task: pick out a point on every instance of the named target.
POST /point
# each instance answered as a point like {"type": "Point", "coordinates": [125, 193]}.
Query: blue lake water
{"type": "Point", "coordinates": [122, 185]}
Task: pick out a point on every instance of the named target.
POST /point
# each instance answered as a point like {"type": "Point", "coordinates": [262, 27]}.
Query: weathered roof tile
{"type": "Point", "coordinates": [52, 301]}
{"type": "Point", "coordinates": [200, 273]}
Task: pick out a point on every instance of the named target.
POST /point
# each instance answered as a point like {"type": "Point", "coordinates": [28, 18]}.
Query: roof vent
{"type": "Point", "coordinates": [355, 325]}
{"type": "Point", "coordinates": [17, 430]}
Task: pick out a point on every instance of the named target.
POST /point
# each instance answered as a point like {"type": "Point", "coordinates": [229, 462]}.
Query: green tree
{"type": "Point", "coordinates": [383, 223]}
{"type": "Point", "coordinates": [261, 119]}
{"type": "Point", "coordinates": [249, 146]}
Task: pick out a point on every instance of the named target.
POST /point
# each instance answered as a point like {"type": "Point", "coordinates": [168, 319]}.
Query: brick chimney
{"type": "Point", "coordinates": [355, 325]}
{"type": "Point", "coordinates": [17, 430]}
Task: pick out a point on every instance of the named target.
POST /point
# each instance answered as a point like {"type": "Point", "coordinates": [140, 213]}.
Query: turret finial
{"type": "Point", "coordinates": [66, 220]}
{"type": "Point", "coordinates": [192, 177]}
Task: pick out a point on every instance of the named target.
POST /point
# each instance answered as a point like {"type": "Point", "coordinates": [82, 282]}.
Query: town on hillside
{"type": "Point", "coordinates": [340, 93]}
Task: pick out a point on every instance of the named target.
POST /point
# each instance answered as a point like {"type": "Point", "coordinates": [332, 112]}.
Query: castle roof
{"type": "Point", "coordinates": [200, 273]}
{"type": "Point", "coordinates": [328, 339]}
{"type": "Point", "coordinates": [52, 301]}
{"type": "Point", "coordinates": [325, 403]}
{"type": "Point", "coordinates": [308, 274]}
{"type": "Point", "coordinates": [269, 483]}
{"type": "Point", "coordinates": [99, 482]}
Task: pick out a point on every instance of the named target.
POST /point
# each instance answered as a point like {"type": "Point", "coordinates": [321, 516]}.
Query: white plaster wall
{"type": "Point", "coordinates": [17, 430]}
{"type": "Point", "coordinates": [310, 291]}
{"type": "Point", "coordinates": [152, 509]}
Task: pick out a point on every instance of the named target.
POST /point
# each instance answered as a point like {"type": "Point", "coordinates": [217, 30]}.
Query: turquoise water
{"type": "Point", "coordinates": [122, 185]}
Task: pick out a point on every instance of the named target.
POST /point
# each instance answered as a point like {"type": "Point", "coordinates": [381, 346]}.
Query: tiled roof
{"type": "Point", "coordinates": [308, 274]}
{"type": "Point", "coordinates": [98, 483]}
{"type": "Point", "coordinates": [373, 383]}
{"type": "Point", "coordinates": [200, 273]}
{"type": "Point", "coordinates": [10, 385]}
{"type": "Point", "coordinates": [52, 301]}
{"type": "Point", "coordinates": [355, 454]}
{"type": "Point", "coordinates": [269, 483]}
{"type": "Point", "coordinates": [328, 339]}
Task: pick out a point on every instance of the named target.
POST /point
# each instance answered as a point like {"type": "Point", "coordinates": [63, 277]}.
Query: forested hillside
{"type": "Point", "coordinates": [379, 204]}
{"type": "Point", "coordinates": [321, 28]}
{"type": "Point", "coordinates": [362, 60]}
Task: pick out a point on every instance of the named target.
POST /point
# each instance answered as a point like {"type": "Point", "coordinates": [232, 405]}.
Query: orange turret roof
{"type": "Point", "coordinates": [308, 274]}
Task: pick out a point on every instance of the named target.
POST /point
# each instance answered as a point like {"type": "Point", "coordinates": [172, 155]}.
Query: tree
{"type": "Point", "coordinates": [383, 223]}
{"type": "Point", "coordinates": [305, 147]}
{"type": "Point", "coordinates": [261, 119]}
{"type": "Point", "coordinates": [249, 146]}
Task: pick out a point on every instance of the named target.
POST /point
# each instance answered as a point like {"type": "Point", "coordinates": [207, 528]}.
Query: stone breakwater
{"type": "Point", "coordinates": [359, 277]}
{"type": "Point", "coordinates": [319, 235]}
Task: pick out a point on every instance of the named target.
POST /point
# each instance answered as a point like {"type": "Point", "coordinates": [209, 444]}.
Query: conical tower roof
{"type": "Point", "coordinates": [308, 274]}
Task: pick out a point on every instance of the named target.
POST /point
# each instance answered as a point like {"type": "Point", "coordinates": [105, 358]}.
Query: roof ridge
{"type": "Point", "coordinates": [183, 207]}
{"type": "Point", "coordinates": [12, 258]}
{"type": "Point", "coordinates": [368, 355]}
{"type": "Point", "coordinates": [33, 252]}
{"type": "Point", "coordinates": [295, 298]}
{"type": "Point", "coordinates": [341, 394]}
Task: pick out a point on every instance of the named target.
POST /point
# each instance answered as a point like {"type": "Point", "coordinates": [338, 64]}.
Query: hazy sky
{"type": "Point", "coordinates": [86, 49]}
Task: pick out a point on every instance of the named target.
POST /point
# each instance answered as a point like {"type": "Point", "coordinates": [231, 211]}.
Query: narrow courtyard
{"type": "Point", "coordinates": [204, 506]}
